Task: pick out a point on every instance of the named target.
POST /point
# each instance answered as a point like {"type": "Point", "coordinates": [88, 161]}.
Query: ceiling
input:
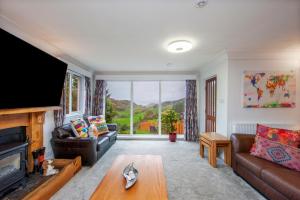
{"type": "Point", "coordinates": [131, 35]}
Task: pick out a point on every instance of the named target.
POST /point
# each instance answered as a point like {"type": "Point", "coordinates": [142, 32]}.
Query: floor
{"type": "Point", "coordinates": [188, 176]}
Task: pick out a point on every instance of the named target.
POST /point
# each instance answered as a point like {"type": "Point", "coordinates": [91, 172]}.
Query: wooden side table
{"type": "Point", "coordinates": [213, 141]}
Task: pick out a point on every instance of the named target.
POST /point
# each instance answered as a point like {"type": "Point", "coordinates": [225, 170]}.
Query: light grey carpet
{"type": "Point", "coordinates": [188, 176]}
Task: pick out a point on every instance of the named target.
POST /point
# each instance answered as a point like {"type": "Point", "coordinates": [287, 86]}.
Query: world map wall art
{"type": "Point", "coordinates": [272, 89]}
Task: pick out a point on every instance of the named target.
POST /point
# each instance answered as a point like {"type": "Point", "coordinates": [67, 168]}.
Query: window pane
{"type": "Point", "coordinates": [67, 92]}
{"type": "Point", "coordinates": [75, 93]}
{"type": "Point", "coordinates": [145, 107]}
{"type": "Point", "coordinates": [173, 98]}
{"type": "Point", "coordinates": [117, 109]}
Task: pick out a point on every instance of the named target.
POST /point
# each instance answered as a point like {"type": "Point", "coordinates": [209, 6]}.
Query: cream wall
{"type": "Point", "coordinates": [219, 68]}
{"type": "Point", "coordinates": [248, 115]}
{"type": "Point", "coordinates": [229, 70]}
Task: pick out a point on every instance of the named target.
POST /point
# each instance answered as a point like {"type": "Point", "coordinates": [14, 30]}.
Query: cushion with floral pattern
{"type": "Point", "coordinates": [283, 136]}
{"type": "Point", "coordinates": [79, 128]}
{"type": "Point", "coordinates": [277, 152]}
{"type": "Point", "coordinates": [96, 119]}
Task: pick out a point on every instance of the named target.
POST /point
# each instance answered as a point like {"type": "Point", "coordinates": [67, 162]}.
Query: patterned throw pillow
{"type": "Point", "coordinates": [101, 127]}
{"type": "Point", "coordinates": [100, 123]}
{"type": "Point", "coordinates": [283, 136]}
{"type": "Point", "coordinates": [96, 119]}
{"type": "Point", "coordinates": [79, 128]}
{"type": "Point", "coordinates": [276, 152]}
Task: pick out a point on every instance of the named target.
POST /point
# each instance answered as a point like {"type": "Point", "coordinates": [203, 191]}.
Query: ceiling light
{"type": "Point", "coordinates": [179, 46]}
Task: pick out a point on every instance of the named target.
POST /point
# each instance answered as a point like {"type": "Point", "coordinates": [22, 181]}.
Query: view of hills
{"type": "Point", "coordinates": [145, 118]}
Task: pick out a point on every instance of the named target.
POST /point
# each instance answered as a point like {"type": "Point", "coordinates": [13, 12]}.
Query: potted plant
{"type": "Point", "coordinates": [169, 119]}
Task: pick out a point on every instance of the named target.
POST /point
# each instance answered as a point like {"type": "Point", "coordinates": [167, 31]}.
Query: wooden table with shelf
{"type": "Point", "coordinates": [212, 141]}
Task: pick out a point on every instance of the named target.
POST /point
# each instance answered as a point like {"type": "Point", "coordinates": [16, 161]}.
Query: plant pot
{"type": "Point", "coordinates": [172, 137]}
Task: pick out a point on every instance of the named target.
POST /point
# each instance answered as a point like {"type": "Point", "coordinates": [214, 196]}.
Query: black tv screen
{"type": "Point", "coordinates": [29, 77]}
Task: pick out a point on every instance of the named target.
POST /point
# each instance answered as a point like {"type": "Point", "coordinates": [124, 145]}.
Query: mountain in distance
{"type": "Point", "coordinates": [125, 104]}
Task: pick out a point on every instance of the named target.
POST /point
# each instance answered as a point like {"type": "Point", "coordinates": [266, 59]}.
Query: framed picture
{"type": "Point", "coordinates": [269, 89]}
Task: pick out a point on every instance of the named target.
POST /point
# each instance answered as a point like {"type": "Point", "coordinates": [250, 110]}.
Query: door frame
{"type": "Point", "coordinates": [214, 102]}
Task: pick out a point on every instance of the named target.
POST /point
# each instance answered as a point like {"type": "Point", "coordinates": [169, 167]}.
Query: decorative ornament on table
{"type": "Point", "coordinates": [130, 173]}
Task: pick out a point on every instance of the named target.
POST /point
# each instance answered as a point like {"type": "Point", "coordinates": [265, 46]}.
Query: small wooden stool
{"type": "Point", "coordinates": [212, 141]}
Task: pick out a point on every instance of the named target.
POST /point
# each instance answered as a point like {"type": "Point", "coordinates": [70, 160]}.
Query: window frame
{"type": "Point", "coordinates": [80, 95]}
{"type": "Point", "coordinates": [132, 102]}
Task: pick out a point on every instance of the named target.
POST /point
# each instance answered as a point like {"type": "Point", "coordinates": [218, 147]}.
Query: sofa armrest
{"type": "Point", "coordinates": [112, 127]}
{"type": "Point", "coordinates": [70, 148]}
{"type": "Point", "coordinates": [242, 143]}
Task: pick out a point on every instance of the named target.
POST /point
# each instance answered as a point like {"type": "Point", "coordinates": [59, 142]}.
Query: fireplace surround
{"type": "Point", "coordinates": [13, 158]}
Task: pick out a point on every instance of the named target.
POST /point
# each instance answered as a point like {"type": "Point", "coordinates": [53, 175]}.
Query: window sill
{"type": "Point", "coordinates": [147, 137]}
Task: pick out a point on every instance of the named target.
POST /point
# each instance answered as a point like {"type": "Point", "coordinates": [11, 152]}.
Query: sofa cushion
{"type": "Point", "coordinates": [102, 143]}
{"type": "Point", "coordinates": [95, 119]}
{"type": "Point", "coordinates": [284, 180]}
{"type": "Point", "coordinates": [254, 164]}
{"type": "Point", "coordinates": [79, 127]}
{"type": "Point", "coordinates": [111, 135]}
{"type": "Point", "coordinates": [276, 152]}
{"type": "Point", "coordinates": [101, 127]}
{"type": "Point", "coordinates": [282, 136]}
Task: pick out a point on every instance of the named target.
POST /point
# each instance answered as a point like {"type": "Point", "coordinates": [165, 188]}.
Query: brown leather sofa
{"type": "Point", "coordinates": [272, 180]}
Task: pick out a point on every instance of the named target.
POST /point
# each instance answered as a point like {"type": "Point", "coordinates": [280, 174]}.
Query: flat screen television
{"type": "Point", "coordinates": [29, 77]}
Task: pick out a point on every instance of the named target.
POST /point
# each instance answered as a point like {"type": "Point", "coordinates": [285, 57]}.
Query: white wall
{"type": "Point", "coordinates": [48, 128]}
{"type": "Point", "coordinates": [219, 68]}
{"type": "Point", "coordinates": [250, 115]}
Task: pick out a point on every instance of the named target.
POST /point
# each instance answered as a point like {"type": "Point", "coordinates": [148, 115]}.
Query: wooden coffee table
{"type": "Point", "coordinates": [151, 183]}
{"type": "Point", "coordinates": [213, 141]}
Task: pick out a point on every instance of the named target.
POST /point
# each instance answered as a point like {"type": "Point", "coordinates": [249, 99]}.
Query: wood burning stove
{"type": "Point", "coordinates": [13, 158]}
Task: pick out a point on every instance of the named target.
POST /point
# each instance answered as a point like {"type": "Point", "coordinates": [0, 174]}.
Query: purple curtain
{"type": "Point", "coordinates": [191, 119]}
{"type": "Point", "coordinates": [99, 97]}
{"type": "Point", "coordinates": [88, 97]}
{"type": "Point", "coordinates": [59, 115]}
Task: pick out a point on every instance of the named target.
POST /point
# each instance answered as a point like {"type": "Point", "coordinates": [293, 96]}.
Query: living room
{"type": "Point", "coordinates": [150, 99]}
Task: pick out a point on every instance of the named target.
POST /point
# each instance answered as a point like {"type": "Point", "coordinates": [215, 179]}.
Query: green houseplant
{"type": "Point", "coordinates": [169, 118]}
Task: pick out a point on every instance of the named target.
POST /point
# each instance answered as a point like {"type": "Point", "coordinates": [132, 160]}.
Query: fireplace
{"type": "Point", "coordinates": [13, 158]}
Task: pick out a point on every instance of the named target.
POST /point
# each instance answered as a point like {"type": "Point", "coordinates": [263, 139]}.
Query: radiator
{"type": "Point", "coordinates": [250, 128]}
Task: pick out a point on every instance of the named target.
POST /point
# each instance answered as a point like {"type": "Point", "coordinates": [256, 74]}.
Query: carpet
{"type": "Point", "coordinates": [188, 176]}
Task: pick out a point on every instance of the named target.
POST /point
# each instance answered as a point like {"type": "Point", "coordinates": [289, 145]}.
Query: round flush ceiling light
{"type": "Point", "coordinates": [179, 46]}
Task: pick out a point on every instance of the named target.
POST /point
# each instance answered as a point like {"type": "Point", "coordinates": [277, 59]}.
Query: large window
{"type": "Point", "coordinates": [72, 90]}
{"type": "Point", "coordinates": [138, 106]}
{"type": "Point", "coordinates": [173, 98]}
{"type": "Point", "coordinates": [145, 107]}
{"type": "Point", "coordinates": [118, 104]}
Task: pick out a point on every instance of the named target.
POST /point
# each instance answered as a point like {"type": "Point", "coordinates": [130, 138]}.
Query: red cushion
{"type": "Point", "coordinates": [281, 154]}
{"type": "Point", "coordinates": [283, 136]}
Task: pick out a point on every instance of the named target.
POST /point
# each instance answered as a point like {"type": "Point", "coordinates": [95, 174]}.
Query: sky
{"type": "Point", "coordinates": [147, 92]}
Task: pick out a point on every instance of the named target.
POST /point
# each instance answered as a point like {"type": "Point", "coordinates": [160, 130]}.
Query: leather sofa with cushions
{"type": "Point", "coordinates": [272, 180]}
{"type": "Point", "coordinates": [90, 149]}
